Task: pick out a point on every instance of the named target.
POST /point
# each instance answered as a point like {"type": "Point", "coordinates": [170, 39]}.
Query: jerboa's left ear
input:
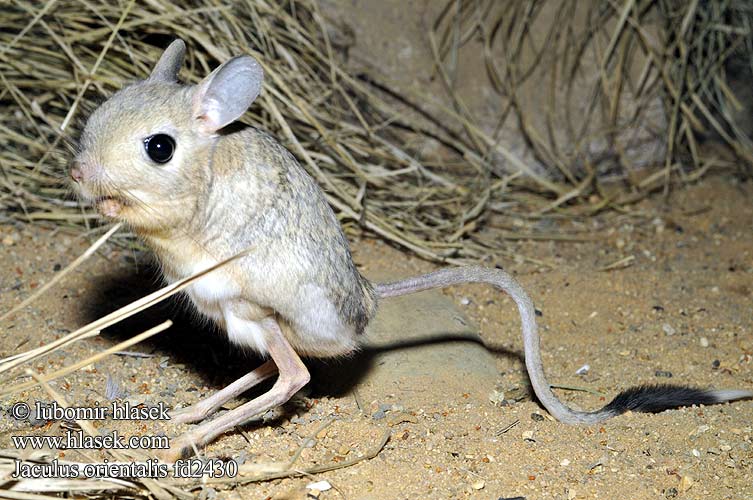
{"type": "Point", "coordinates": [224, 95]}
{"type": "Point", "coordinates": [166, 69]}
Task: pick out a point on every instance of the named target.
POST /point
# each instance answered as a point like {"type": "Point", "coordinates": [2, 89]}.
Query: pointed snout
{"type": "Point", "coordinates": [76, 172]}
{"type": "Point", "coordinates": [83, 170]}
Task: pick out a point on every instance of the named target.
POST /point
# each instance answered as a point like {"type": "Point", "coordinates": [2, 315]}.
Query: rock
{"type": "Point", "coordinates": [319, 486]}
{"type": "Point", "coordinates": [686, 482]}
{"type": "Point", "coordinates": [400, 418]}
{"type": "Point", "coordinates": [497, 397]}
{"type": "Point", "coordinates": [379, 414]}
{"type": "Point", "coordinates": [415, 342]}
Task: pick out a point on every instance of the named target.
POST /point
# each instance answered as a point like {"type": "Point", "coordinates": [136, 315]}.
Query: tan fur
{"type": "Point", "coordinates": [220, 194]}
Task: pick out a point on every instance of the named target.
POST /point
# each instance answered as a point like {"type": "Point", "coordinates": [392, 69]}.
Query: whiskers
{"type": "Point", "coordinates": [157, 217]}
{"type": "Point", "coordinates": [157, 221]}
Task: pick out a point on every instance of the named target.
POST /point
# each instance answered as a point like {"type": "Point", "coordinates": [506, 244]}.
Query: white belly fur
{"type": "Point", "coordinates": [211, 292]}
{"type": "Point", "coordinates": [214, 287]}
{"type": "Point", "coordinates": [245, 333]}
{"type": "Point", "coordinates": [315, 327]}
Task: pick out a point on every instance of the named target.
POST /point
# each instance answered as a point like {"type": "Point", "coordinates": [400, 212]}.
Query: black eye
{"type": "Point", "coordinates": [159, 147]}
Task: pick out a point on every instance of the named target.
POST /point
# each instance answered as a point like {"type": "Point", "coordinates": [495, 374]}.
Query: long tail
{"type": "Point", "coordinates": [651, 398]}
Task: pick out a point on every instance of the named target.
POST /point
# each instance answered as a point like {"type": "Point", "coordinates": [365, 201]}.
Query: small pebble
{"type": "Point", "coordinates": [537, 417]}
{"type": "Point", "coordinates": [34, 420]}
{"type": "Point", "coordinates": [702, 428]}
{"type": "Point", "coordinates": [686, 482]}
{"type": "Point", "coordinates": [319, 486]}
{"type": "Point", "coordinates": [668, 329]}
{"type": "Point", "coordinates": [465, 301]}
{"type": "Point", "coordinates": [207, 493]}
{"type": "Point", "coordinates": [663, 373]}
{"type": "Point", "coordinates": [478, 485]}
{"type": "Point", "coordinates": [565, 463]}
{"type": "Point", "coordinates": [497, 397]}
{"type": "Point", "coordinates": [583, 370]}
{"type": "Point", "coordinates": [400, 417]}
{"type": "Point", "coordinates": [381, 412]}
{"type": "Point", "coordinates": [704, 342]}
{"type": "Point", "coordinates": [241, 457]}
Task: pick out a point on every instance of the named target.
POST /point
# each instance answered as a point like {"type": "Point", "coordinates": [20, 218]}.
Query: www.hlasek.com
{"type": "Point", "coordinates": [77, 439]}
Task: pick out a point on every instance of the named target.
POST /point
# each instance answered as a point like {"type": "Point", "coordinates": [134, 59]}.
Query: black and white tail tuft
{"type": "Point", "coordinates": [660, 397]}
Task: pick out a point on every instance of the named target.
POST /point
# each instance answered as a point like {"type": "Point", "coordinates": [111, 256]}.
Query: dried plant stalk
{"type": "Point", "coordinates": [625, 89]}
{"type": "Point", "coordinates": [59, 59]}
{"type": "Point", "coordinates": [621, 89]}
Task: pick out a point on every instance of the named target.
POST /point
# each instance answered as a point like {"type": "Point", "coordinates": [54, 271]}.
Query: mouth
{"type": "Point", "coordinates": [110, 206]}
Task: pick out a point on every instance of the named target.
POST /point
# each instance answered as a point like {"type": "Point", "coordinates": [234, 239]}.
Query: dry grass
{"type": "Point", "coordinates": [58, 59]}
{"type": "Point", "coordinates": [345, 133]}
{"type": "Point", "coordinates": [627, 90]}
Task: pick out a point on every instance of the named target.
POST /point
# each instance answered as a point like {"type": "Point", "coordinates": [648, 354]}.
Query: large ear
{"type": "Point", "coordinates": [224, 95]}
{"type": "Point", "coordinates": [169, 63]}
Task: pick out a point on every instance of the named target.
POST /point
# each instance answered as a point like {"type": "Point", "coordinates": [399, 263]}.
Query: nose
{"type": "Point", "coordinates": [75, 172]}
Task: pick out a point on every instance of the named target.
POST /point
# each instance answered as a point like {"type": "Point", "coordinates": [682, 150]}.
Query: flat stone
{"type": "Point", "coordinates": [415, 342]}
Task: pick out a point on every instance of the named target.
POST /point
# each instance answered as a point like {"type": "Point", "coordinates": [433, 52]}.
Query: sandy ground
{"type": "Point", "coordinates": [679, 313]}
{"type": "Point", "coordinates": [465, 426]}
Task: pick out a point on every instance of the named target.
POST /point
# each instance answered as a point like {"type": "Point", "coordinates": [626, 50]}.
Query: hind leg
{"type": "Point", "coordinates": [293, 376]}
{"type": "Point", "coordinates": [207, 406]}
